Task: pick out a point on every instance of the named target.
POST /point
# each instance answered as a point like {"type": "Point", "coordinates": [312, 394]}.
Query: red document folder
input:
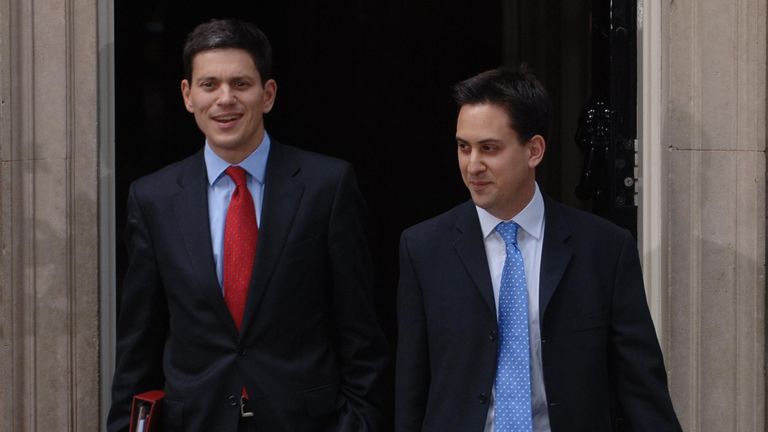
{"type": "Point", "coordinates": [145, 411]}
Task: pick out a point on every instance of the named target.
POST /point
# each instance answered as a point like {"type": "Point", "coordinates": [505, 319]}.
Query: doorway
{"type": "Point", "coordinates": [369, 82]}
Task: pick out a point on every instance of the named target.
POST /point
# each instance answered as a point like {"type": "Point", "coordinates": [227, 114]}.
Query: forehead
{"type": "Point", "coordinates": [489, 117]}
{"type": "Point", "coordinates": [223, 61]}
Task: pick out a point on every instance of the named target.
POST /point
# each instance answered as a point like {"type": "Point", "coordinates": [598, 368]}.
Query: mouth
{"type": "Point", "coordinates": [477, 185]}
{"type": "Point", "coordinates": [227, 120]}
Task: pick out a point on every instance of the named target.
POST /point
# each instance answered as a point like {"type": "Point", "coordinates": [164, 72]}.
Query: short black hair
{"type": "Point", "coordinates": [518, 91]}
{"type": "Point", "coordinates": [229, 33]}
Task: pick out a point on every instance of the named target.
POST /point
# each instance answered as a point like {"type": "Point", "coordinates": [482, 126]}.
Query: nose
{"type": "Point", "coordinates": [475, 163]}
{"type": "Point", "coordinates": [227, 96]}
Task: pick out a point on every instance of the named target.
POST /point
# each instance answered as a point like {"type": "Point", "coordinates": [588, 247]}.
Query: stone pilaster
{"type": "Point", "coordinates": [714, 98]}
{"type": "Point", "coordinates": [48, 216]}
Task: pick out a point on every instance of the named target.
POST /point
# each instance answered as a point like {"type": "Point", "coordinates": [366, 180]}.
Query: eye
{"type": "Point", "coordinates": [488, 148]}
{"type": "Point", "coordinates": [206, 84]}
{"type": "Point", "coordinates": [463, 147]}
{"type": "Point", "coordinates": [241, 85]}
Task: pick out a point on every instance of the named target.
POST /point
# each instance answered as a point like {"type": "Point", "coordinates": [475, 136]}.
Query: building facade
{"type": "Point", "coordinates": [702, 175]}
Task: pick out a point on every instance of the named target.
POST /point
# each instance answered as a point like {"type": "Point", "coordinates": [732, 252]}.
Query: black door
{"type": "Point", "coordinates": [368, 81]}
{"type": "Point", "coordinates": [608, 123]}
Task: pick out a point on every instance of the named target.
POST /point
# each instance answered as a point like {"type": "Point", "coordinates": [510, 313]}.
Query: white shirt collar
{"type": "Point", "coordinates": [530, 219]}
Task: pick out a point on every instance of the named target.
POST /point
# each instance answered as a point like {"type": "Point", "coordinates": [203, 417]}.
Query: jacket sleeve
{"type": "Point", "coordinates": [359, 338]}
{"type": "Point", "coordinates": [142, 321]}
{"type": "Point", "coordinates": [412, 365]}
{"type": "Point", "coordinates": [636, 359]}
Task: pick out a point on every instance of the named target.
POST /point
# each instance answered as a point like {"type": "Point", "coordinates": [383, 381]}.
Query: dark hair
{"type": "Point", "coordinates": [229, 33]}
{"type": "Point", "coordinates": [516, 90]}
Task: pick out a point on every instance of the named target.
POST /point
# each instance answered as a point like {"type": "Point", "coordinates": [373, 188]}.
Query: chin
{"type": "Point", "coordinates": [480, 201]}
{"type": "Point", "coordinates": [227, 143]}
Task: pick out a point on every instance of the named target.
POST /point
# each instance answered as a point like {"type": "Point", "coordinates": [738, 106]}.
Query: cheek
{"type": "Point", "coordinates": [463, 166]}
{"type": "Point", "coordinates": [510, 179]}
{"type": "Point", "coordinates": [202, 101]}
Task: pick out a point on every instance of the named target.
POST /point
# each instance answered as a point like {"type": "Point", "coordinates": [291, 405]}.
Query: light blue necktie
{"type": "Point", "coordinates": [513, 372]}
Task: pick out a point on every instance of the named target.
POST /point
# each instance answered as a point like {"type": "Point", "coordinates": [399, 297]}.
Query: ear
{"type": "Point", "coordinates": [270, 92]}
{"type": "Point", "coordinates": [185, 89]}
{"type": "Point", "coordinates": [536, 148]}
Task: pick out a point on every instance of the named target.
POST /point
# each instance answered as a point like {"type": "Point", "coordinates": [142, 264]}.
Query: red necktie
{"type": "Point", "coordinates": [240, 235]}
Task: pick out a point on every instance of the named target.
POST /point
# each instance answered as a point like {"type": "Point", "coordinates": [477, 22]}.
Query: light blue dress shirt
{"type": "Point", "coordinates": [221, 186]}
{"type": "Point", "coordinates": [531, 242]}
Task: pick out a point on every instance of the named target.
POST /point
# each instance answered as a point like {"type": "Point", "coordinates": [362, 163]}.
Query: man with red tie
{"type": "Point", "coordinates": [248, 293]}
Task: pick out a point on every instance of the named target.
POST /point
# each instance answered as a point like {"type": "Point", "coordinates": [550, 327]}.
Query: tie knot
{"type": "Point", "coordinates": [508, 231]}
{"type": "Point", "coordinates": [237, 174]}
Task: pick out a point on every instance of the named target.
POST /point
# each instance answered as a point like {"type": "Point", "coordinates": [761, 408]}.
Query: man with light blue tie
{"type": "Point", "coordinates": [517, 313]}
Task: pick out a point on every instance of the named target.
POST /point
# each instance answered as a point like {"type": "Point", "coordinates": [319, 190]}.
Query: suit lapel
{"type": "Point", "coordinates": [555, 254]}
{"type": "Point", "coordinates": [191, 211]}
{"type": "Point", "coordinates": [282, 195]}
{"type": "Point", "coordinates": [471, 249]}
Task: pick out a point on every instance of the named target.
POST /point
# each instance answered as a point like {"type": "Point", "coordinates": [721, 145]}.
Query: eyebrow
{"type": "Point", "coordinates": [206, 78]}
{"type": "Point", "coordinates": [242, 78]}
{"type": "Point", "coordinates": [482, 141]}
{"type": "Point", "coordinates": [215, 78]}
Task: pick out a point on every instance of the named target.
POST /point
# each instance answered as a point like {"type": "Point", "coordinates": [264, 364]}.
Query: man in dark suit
{"type": "Point", "coordinates": [516, 313]}
{"type": "Point", "coordinates": [248, 293]}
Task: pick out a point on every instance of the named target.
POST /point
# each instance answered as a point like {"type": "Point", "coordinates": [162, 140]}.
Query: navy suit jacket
{"type": "Point", "coordinates": [310, 352]}
{"type": "Point", "coordinates": [600, 355]}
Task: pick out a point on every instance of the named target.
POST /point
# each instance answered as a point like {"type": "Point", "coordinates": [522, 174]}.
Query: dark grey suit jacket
{"type": "Point", "coordinates": [310, 351]}
{"type": "Point", "coordinates": [600, 355]}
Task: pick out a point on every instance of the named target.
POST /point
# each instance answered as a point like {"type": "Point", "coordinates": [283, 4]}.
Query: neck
{"type": "Point", "coordinates": [237, 155]}
{"type": "Point", "coordinates": [519, 202]}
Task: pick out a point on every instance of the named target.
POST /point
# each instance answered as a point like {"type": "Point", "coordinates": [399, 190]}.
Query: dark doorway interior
{"type": "Point", "coordinates": [366, 81]}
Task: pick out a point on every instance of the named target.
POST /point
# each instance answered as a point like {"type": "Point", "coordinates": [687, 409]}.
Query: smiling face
{"type": "Point", "coordinates": [229, 101]}
{"type": "Point", "coordinates": [497, 168]}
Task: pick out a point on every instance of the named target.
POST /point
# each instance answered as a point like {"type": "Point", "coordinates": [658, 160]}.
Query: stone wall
{"type": "Point", "coordinates": [49, 368]}
{"type": "Point", "coordinates": [714, 131]}
{"type": "Point", "coordinates": [712, 203]}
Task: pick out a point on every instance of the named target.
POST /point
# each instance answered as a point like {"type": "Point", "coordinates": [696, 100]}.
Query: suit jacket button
{"type": "Point", "coordinates": [492, 336]}
{"type": "Point", "coordinates": [242, 352]}
{"type": "Point", "coordinates": [232, 400]}
{"type": "Point", "coordinates": [483, 398]}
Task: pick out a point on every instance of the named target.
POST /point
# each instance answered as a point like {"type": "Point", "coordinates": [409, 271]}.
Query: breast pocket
{"type": "Point", "coordinates": [303, 248]}
{"type": "Point", "coordinates": [590, 322]}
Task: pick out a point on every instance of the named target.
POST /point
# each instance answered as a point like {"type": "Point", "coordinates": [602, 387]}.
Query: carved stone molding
{"type": "Point", "coordinates": [714, 96]}
{"type": "Point", "coordinates": [712, 133]}
{"type": "Point", "coordinates": [48, 222]}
